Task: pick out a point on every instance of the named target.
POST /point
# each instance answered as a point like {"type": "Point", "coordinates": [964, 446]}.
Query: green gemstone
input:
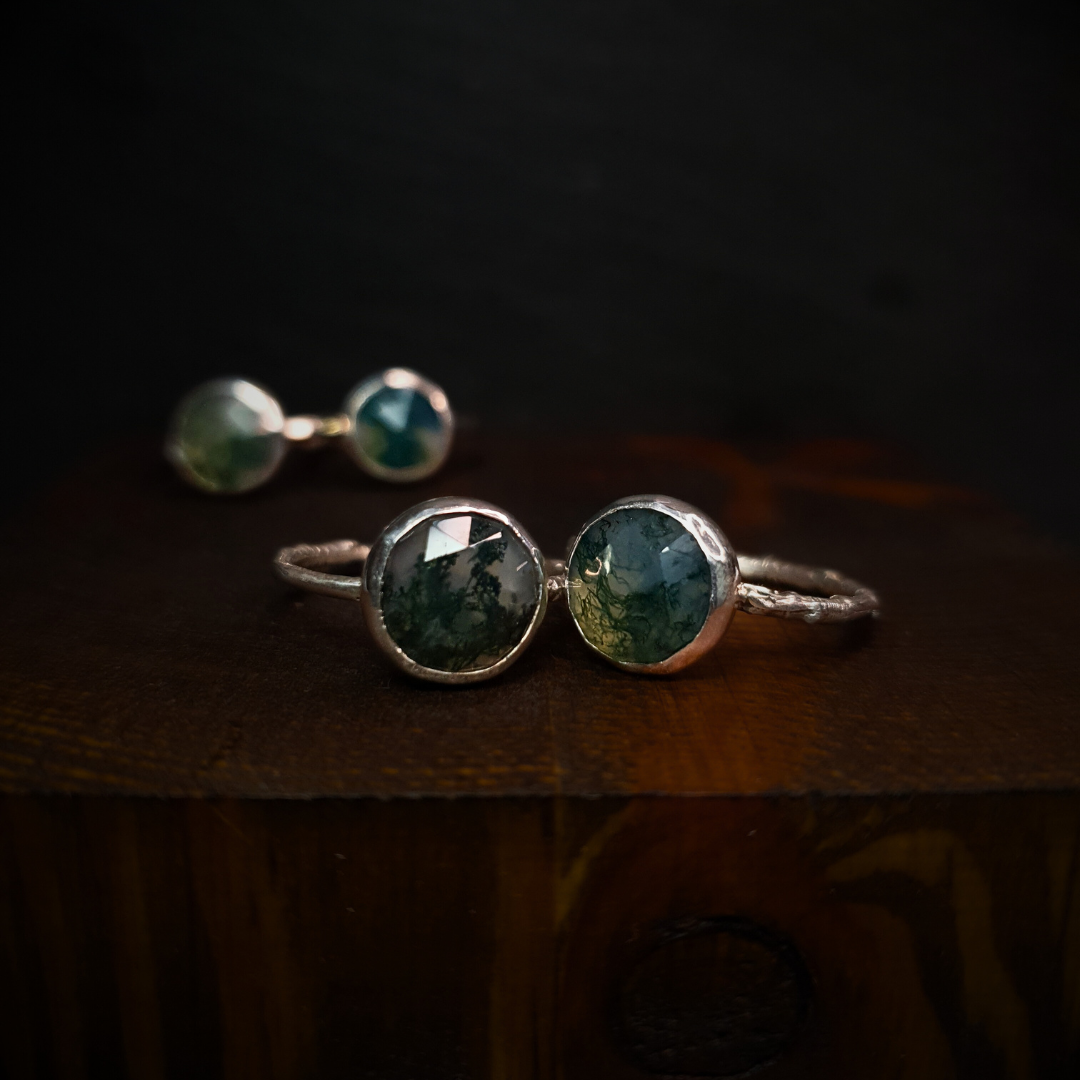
{"type": "Point", "coordinates": [227, 436]}
{"type": "Point", "coordinates": [638, 585]}
{"type": "Point", "coordinates": [399, 425]}
{"type": "Point", "coordinates": [459, 592]}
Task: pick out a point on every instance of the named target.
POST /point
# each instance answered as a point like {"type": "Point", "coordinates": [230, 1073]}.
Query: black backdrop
{"type": "Point", "coordinates": [727, 217]}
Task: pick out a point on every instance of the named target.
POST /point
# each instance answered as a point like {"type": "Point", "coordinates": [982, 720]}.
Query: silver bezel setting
{"type": "Point", "coordinates": [271, 414]}
{"type": "Point", "coordinates": [723, 566]}
{"type": "Point", "coordinates": [375, 568]}
{"type": "Point", "coordinates": [397, 378]}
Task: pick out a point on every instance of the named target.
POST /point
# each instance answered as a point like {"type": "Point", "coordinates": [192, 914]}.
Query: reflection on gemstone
{"type": "Point", "coordinates": [639, 585]}
{"type": "Point", "coordinates": [459, 592]}
{"type": "Point", "coordinates": [392, 408]}
{"type": "Point", "coordinates": [398, 427]}
{"type": "Point", "coordinates": [226, 436]}
{"type": "Point", "coordinates": [447, 536]}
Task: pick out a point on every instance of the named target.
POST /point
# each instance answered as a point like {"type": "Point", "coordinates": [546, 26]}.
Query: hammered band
{"type": "Point", "coordinates": [840, 598]}
{"type": "Point", "coordinates": [454, 589]}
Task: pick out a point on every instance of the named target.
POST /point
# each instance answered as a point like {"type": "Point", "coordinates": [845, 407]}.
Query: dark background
{"type": "Point", "coordinates": [738, 218]}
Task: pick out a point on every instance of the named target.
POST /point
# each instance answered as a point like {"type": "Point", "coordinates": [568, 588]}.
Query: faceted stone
{"type": "Point", "coordinates": [227, 436]}
{"type": "Point", "coordinates": [638, 585]}
{"type": "Point", "coordinates": [398, 428]}
{"type": "Point", "coordinates": [459, 592]}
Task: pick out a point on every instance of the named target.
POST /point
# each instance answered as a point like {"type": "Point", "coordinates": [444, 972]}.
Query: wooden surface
{"type": "Point", "coordinates": [535, 938]}
{"type": "Point", "coordinates": [148, 650]}
{"type": "Point", "coordinates": [872, 870]}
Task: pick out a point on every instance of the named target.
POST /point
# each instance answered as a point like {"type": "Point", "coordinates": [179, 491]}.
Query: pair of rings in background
{"type": "Point", "coordinates": [454, 589]}
{"type": "Point", "coordinates": [230, 435]}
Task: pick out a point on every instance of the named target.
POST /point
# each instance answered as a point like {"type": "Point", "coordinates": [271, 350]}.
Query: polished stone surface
{"type": "Point", "coordinates": [459, 592]}
{"type": "Point", "coordinates": [638, 586]}
{"type": "Point", "coordinates": [398, 428]}
{"type": "Point", "coordinates": [226, 436]}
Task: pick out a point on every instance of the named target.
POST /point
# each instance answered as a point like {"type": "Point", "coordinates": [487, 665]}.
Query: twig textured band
{"type": "Point", "coordinates": [454, 589]}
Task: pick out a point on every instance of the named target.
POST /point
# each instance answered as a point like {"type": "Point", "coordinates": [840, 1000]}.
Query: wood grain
{"type": "Point", "coordinates": [497, 938]}
{"type": "Point", "coordinates": [148, 650]}
{"type": "Point", "coordinates": [233, 842]}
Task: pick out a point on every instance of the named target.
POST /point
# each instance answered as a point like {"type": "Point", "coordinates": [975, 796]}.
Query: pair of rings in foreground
{"type": "Point", "coordinates": [229, 436]}
{"type": "Point", "coordinates": [454, 589]}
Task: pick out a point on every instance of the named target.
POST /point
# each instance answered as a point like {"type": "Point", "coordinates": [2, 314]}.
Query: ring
{"type": "Point", "coordinates": [454, 589]}
{"type": "Point", "coordinates": [229, 436]}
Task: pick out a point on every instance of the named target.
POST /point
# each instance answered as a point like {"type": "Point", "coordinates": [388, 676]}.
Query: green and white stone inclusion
{"type": "Point", "coordinates": [398, 428]}
{"type": "Point", "coordinates": [459, 592]}
{"type": "Point", "coordinates": [638, 585]}
{"type": "Point", "coordinates": [227, 436]}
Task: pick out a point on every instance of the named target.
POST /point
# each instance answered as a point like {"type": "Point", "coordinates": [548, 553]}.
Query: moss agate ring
{"type": "Point", "coordinates": [454, 589]}
{"type": "Point", "coordinates": [230, 436]}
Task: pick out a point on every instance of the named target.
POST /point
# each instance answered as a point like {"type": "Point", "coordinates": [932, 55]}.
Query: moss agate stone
{"type": "Point", "coordinates": [459, 592]}
{"type": "Point", "coordinates": [638, 586]}
{"type": "Point", "coordinates": [398, 428]}
{"type": "Point", "coordinates": [227, 436]}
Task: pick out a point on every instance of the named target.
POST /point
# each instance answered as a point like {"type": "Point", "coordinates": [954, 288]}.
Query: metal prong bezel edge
{"type": "Point", "coordinates": [724, 572]}
{"type": "Point", "coordinates": [375, 568]}
{"type": "Point", "coordinates": [225, 387]}
{"type": "Point", "coordinates": [404, 379]}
